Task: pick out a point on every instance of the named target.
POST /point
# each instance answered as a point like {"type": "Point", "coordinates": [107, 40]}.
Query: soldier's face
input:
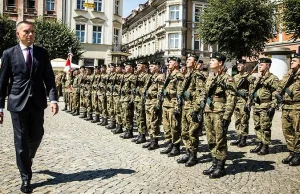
{"type": "Point", "coordinates": [119, 69]}
{"type": "Point", "coordinates": [295, 63]}
{"type": "Point", "coordinates": [241, 67]}
{"type": "Point", "coordinates": [89, 71]}
{"type": "Point", "coordinates": [82, 70]}
{"type": "Point", "coordinates": [103, 69]}
{"type": "Point", "coordinates": [152, 68]}
{"type": "Point", "coordinates": [171, 64]}
{"type": "Point", "coordinates": [190, 62]}
{"type": "Point", "coordinates": [96, 71]}
{"type": "Point", "coordinates": [215, 64]}
{"type": "Point", "coordinates": [140, 68]}
{"type": "Point", "coordinates": [112, 69]}
{"type": "Point", "coordinates": [128, 69]}
{"type": "Point", "coordinates": [263, 67]}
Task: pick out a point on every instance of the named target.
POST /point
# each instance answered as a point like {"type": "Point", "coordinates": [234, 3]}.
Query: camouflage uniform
{"type": "Point", "coordinates": [116, 99]}
{"type": "Point", "coordinates": [66, 91]}
{"type": "Point", "coordinates": [110, 98]}
{"type": "Point", "coordinates": [82, 77]}
{"type": "Point", "coordinates": [102, 96]}
{"type": "Point", "coordinates": [95, 88]}
{"type": "Point", "coordinates": [58, 82]}
{"type": "Point", "coordinates": [76, 98]}
{"type": "Point", "coordinates": [88, 95]}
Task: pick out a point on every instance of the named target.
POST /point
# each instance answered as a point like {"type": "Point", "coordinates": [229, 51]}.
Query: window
{"type": "Point", "coordinates": [197, 42]}
{"type": "Point", "coordinates": [117, 4]}
{"type": "Point", "coordinates": [80, 4]}
{"type": "Point", "coordinates": [31, 4]}
{"type": "Point", "coordinates": [197, 13]}
{"type": "Point", "coordinates": [98, 5]}
{"type": "Point", "coordinates": [116, 36]}
{"type": "Point", "coordinates": [50, 5]}
{"type": "Point", "coordinates": [11, 3]}
{"type": "Point", "coordinates": [174, 12]}
{"type": "Point", "coordinates": [80, 32]}
{"type": "Point", "coordinates": [97, 30]}
{"type": "Point", "coordinates": [174, 41]}
{"type": "Point", "coordinates": [89, 62]}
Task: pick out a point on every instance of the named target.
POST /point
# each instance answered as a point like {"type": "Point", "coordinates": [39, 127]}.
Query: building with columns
{"type": "Point", "coordinates": [159, 29]}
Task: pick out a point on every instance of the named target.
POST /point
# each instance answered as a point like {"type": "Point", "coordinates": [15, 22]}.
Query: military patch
{"type": "Point", "coordinates": [230, 79]}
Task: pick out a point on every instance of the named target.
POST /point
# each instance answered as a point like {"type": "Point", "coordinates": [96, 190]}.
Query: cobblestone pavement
{"type": "Point", "coordinates": [77, 156]}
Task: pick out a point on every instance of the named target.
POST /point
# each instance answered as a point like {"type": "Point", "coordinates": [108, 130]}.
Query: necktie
{"type": "Point", "coordinates": [28, 58]}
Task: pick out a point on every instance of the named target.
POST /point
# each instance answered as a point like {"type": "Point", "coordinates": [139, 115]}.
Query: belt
{"type": "Point", "coordinates": [219, 99]}
{"type": "Point", "coordinates": [265, 101]}
{"type": "Point", "coordinates": [287, 102]}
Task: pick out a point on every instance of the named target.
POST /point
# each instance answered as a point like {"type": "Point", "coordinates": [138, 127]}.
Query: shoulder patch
{"type": "Point", "coordinates": [230, 79]}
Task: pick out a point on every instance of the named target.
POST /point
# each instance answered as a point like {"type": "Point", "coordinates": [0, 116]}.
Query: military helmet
{"type": "Point", "coordinates": [219, 56]}
{"type": "Point", "coordinates": [295, 55]}
{"type": "Point", "coordinates": [178, 60]}
{"type": "Point", "coordinates": [264, 60]}
{"type": "Point", "coordinates": [192, 55]}
{"type": "Point", "coordinates": [238, 61]}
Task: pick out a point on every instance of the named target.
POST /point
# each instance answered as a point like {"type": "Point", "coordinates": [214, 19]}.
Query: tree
{"type": "Point", "coordinates": [239, 27]}
{"type": "Point", "coordinates": [57, 38]}
{"type": "Point", "coordinates": [291, 17]}
{"type": "Point", "coordinates": [7, 33]}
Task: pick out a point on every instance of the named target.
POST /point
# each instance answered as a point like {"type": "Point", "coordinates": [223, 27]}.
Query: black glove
{"type": "Point", "coordinates": [225, 124]}
{"type": "Point", "coordinates": [271, 112]}
{"type": "Point", "coordinates": [200, 118]}
{"type": "Point", "coordinates": [195, 116]}
{"type": "Point", "coordinates": [279, 98]}
{"type": "Point", "coordinates": [247, 108]}
{"type": "Point", "coordinates": [130, 104]}
{"type": "Point", "coordinates": [176, 112]}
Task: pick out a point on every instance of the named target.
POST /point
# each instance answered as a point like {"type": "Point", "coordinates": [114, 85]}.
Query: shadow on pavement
{"type": "Point", "coordinates": [248, 165]}
{"type": "Point", "coordinates": [80, 176]}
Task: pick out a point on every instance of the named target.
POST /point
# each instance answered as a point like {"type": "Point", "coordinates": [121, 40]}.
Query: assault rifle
{"type": "Point", "coordinates": [146, 89]}
{"type": "Point", "coordinates": [242, 81]}
{"type": "Point", "coordinates": [279, 96]}
{"type": "Point", "coordinates": [161, 93]}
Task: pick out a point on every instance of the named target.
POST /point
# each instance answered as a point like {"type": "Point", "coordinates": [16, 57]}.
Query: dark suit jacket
{"type": "Point", "coordinates": [21, 82]}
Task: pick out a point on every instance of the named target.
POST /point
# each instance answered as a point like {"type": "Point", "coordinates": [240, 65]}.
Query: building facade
{"type": "Point", "coordinates": [159, 29]}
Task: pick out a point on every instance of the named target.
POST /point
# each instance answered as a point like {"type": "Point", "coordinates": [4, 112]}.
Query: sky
{"type": "Point", "coordinates": [129, 5]}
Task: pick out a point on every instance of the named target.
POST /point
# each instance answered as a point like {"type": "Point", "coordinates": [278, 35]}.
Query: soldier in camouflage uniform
{"type": "Point", "coordinates": [183, 68]}
{"type": "Point", "coordinates": [109, 95]}
{"type": "Point", "coordinates": [76, 95]}
{"type": "Point", "coordinates": [88, 93]}
{"type": "Point", "coordinates": [288, 93]}
{"type": "Point", "coordinates": [220, 103]}
{"type": "Point", "coordinates": [126, 100]}
{"type": "Point", "coordinates": [139, 106]}
{"type": "Point", "coordinates": [193, 93]}
{"type": "Point", "coordinates": [171, 108]}
{"type": "Point", "coordinates": [242, 81]}
{"type": "Point", "coordinates": [102, 95]}
{"type": "Point", "coordinates": [95, 88]}
{"type": "Point", "coordinates": [150, 97]}
{"type": "Point", "coordinates": [82, 77]}
{"type": "Point", "coordinates": [66, 91]}
{"type": "Point", "coordinates": [262, 94]}
{"type": "Point", "coordinates": [71, 93]}
{"type": "Point", "coordinates": [58, 82]}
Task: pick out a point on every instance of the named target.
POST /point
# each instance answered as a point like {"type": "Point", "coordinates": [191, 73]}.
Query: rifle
{"type": "Point", "coordinates": [279, 96]}
{"type": "Point", "coordinates": [241, 93]}
{"type": "Point", "coordinates": [146, 89]}
{"type": "Point", "coordinates": [161, 93]}
{"type": "Point", "coordinates": [253, 94]}
{"type": "Point", "coordinates": [121, 85]}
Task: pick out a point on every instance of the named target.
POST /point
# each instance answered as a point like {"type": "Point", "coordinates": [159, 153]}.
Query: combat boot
{"type": "Point", "coordinates": [72, 111]}
{"type": "Point", "coordinates": [76, 113]}
{"type": "Point", "coordinates": [83, 115]}
{"type": "Point", "coordinates": [234, 143]}
{"type": "Point", "coordinates": [175, 151]}
{"type": "Point", "coordinates": [68, 111]}
{"type": "Point", "coordinates": [243, 142]}
{"type": "Point", "coordinates": [65, 108]}
{"type": "Point", "coordinates": [141, 139]}
{"type": "Point", "coordinates": [257, 148]}
{"type": "Point", "coordinates": [219, 171]}
{"type": "Point", "coordinates": [264, 150]}
{"type": "Point", "coordinates": [288, 159]}
{"type": "Point", "coordinates": [128, 134]}
{"type": "Point", "coordinates": [147, 145]}
{"type": "Point", "coordinates": [112, 125]}
{"type": "Point", "coordinates": [211, 168]}
{"type": "Point", "coordinates": [136, 137]}
{"type": "Point", "coordinates": [89, 117]}
{"type": "Point", "coordinates": [154, 144]}
{"type": "Point", "coordinates": [167, 149]}
{"type": "Point", "coordinates": [96, 120]}
{"type": "Point", "coordinates": [104, 122]}
{"type": "Point", "coordinates": [184, 158]}
{"type": "Point", "coordinates": [192, 160]}
{"type": "Point", "coordinates": [118, 130]}
{"type": "Point", "coordinates": [296, 160]}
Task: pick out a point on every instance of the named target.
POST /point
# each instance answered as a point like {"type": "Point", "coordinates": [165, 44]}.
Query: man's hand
{"type": "Point", "coordinates": [271, 112]}
{"type": "Point", "coordinates": [54, 108]}
{"type": "Point", "coordinates": [1, 117]}
{"type": "Point", "coordinates": [194, 116]}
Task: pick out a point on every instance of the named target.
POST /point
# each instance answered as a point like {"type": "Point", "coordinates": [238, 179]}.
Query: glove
{"type": "Point", "coordinates": [279, 98]}
{"type": "Point", "coordinates": [247, 108]}
{"type": "Point", "coordinates": [225, 124]}
{"type": "Point", "coordinates": [271, 112]}
{"type": "Point", "coordinates": [194, 116]}
{"type": "Point", "coordinates": [200, 117]}
{"type": "Point", "coordinates": [202, 104]}
{"type": "Point", "coordinates": [176, 112]}
{"type": "Point", "coordinates": [130, 104]}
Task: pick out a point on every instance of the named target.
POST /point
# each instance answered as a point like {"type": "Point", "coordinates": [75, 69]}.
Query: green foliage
{"type": "Point", "coordinates": [57, 38]}
{"type": "Point", "coordinates": [7, 33]}
{"type": "Point", "coordinates": [291, 17]}
{"type": "Point", "coordinates": [239, 27]}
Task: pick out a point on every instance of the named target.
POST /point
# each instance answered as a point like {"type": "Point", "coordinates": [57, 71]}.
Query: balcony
{"type": "Point", "coordinates": [30, 11]}
{"type": "Point", "coordinates": [119, 49]}
{"type": "Point", "coordinates": [11, 8]}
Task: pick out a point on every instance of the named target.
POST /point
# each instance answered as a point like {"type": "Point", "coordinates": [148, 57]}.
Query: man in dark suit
{"type": "Point", "coordinates": [26, 74]}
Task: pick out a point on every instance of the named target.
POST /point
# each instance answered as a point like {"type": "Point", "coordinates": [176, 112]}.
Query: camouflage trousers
{"type": "Point", "coordinates": [76, 100]}
{"type": "Point", "coordinates": [262, 125]}
{"type": "Point", "coordinates": [102, 106]}
{"type": "Point", "coordinates": [81, 101]}
{"type": "Point", "coordinates": [291, 129]}
{"type": "Point", "coordinates": [171, 125]}
{"type": "Point", "coordinates": [117, 110]}
{"type": "Point", "coordinates": [110, 108]}
{"type": "Point", "coordinates": [127, 116]}
{"type": "Point", "coordinates": [71, 100]}
{"type": "Point", "coordinates": [241, 120]}
{"type": "Point", "coordinates": [152, 120]}
{"type": "Point", "coordinates": [216, 135]}
{"type": "Point", "coordinates": [189, 131]}
{"type": "Point", "coordinates": [58, 89]}
{"type": "Point", "coordinates": [95, 103]}
{"type": "Point", "coordinates": [87, 103]}
{"type": "Point", "coordinates": [66, 97]}
{"type": "Point", "coordinates": [140, 117]}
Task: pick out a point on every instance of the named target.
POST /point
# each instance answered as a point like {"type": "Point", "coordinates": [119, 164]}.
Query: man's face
{"type": "Point", "coordinates": [172, 64]}
{"type": "Point", "coordinates": [112, 69]}
{"type": "Point", "coordinates": [103, 70]}
{"type": "Point", "coordinates": [128, 69]}
{"type": "Point", "coordinates": [82, 70]}
{"type": "Point", "coordinates": [96, 71]}
{"type": "Point", "coordinates": [241, 67]}
{"type": "Point", "coordinates": [140, 68]}
{"type": "Point", "coordinates": [26, 34]}
{"type": "Point", "coordinates": [88, 71]}
{"type": "Point", "coordinates": [190, 62]}
{"type": "Point", "coordinates": [214, 63]}
{"type": "Point", "coordinates": [119, 69]}
{"type": "Point", "coordinates": [152, 68]}
{"type": "Point", "coordinates": [295, 63]}
{"type": "Point", "coordinates": [263, 67]}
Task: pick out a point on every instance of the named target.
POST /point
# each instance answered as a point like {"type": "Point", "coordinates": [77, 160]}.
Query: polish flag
{"type": "Point", "coordinates": [68, 63]}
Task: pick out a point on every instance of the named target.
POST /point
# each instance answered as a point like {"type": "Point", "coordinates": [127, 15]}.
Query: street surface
{"type": "Point", "coordinates": [77, 156]}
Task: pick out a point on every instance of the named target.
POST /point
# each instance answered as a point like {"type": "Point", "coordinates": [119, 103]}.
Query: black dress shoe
{"type": "Point", "coordinates": [26, 187]}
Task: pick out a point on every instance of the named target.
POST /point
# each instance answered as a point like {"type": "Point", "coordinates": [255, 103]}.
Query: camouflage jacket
{"type": "Point", "coordinates": [95, 83]}
{"type": "Point", "coordinates": [142, 79]}
{"type": "Point", "coordinates": [102, 84]}
{"type": "Point", "coordinates": [242, 83]}
{"type": "Point", "coordinates": [157, 82]}
{"type": "Point", "coordinates": [128, 86]}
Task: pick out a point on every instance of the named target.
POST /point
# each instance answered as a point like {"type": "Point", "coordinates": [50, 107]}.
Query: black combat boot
{"type": "Point", "coordinates": [296, 160]}
{"type": "Point", "coordinates": [243, 142]}
{"type": "Point", "coordinates": [264, 150]}
{"type": "Point", "coordinates": [141, 139]}
{"type": "Point", "coordinates": [184, 158]}
{"type": "Point", "coordinates": [72, 111]}
{"type": "Point", "coordinates": [136, 137]}
{"type": "Point", "coordinates": [104, 122]}
{"type": "Point", "coordinates": [211, 168]}
{"type": "Point", "coordinates": [236, 142]}
{"type": "Point", "coordinates": [154, 144]}
{"type": "Point", "coordinates": [96, 120]}
{"type": "Point", "coordinates": [83, 115]}
{"type": "Point", "coordinates": [219, 171]}
{"type": "Point", "coordinates": [175, 151]}
{"type": "Point", "coordinates": [65, 108]}
{"type": "Point", "coordinates": [112, 125]}
{"type": "Point", "coordinates": [118, 130]}
{"type": "Point", "coordinates": [76, 113]}
{"type": "Point", "coordinates": [89, 117]}
{"type": "Point", "coordinates": [147, 145]}
{"type": "Point", "coordinates": [288, 159]}
{"type": "Point", "coordinates": [128, 134]}
{"type": "Point", "coordinates": [167, 149]}
{"type": "Point", "coordinates": [68, 111]}
{"type": "Point", "coordinates": [257, 148]}
{"type": "Point", "coordinates": [192, 160]}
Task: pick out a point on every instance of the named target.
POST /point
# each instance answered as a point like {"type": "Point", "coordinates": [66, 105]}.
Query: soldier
{"type": "Point", "coordinates": [76, 94]}
{"type": "Point", "coordinates": [262, 94]}
{"type": "Point", "coordinates": [220, 103]}
{"type": "Point", "coordinates": [242, 81]}
{"type": "Point", "coordinates": [58, 82]}
{"type": "Point", "coordinates": [67, 84]}
{"type": "Point", "coordinates": [109, 95]}
{"type": "Point", "coordinates": [151, 101]}
{"type": "Point", "coordinates": [71, 93]}
{"type": "Point", "coordinates": [64, 94]}
{"type": "Point", "coordinates": [95, 88]}
{"type": "Point", "coordinates": [193, 93]}
{"type": "Point", "coordinates": [82, 77]}
{"type": "Point", "coordinates": [183, 68]}
{"type": "Point", "coordinates": [102, 85]}
{"type": "Point", "coordinates": [88, 94]}
{"type": "Point", "coordinates": [171, 110]}
{"type": "Point", "coordinates": [288, 93]}
{"type": "Point", "coordinates": [126, 100]}
{"type": "Point", "coordinates": [139, 106]}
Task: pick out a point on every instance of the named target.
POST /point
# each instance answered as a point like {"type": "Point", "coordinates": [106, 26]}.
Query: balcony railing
{"type": "Point", "coordinates": [119, 48]}
{"type": "Point", "coordinates": [30, 10]}
{"type": "Point", "coordinates": [11, 8]}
